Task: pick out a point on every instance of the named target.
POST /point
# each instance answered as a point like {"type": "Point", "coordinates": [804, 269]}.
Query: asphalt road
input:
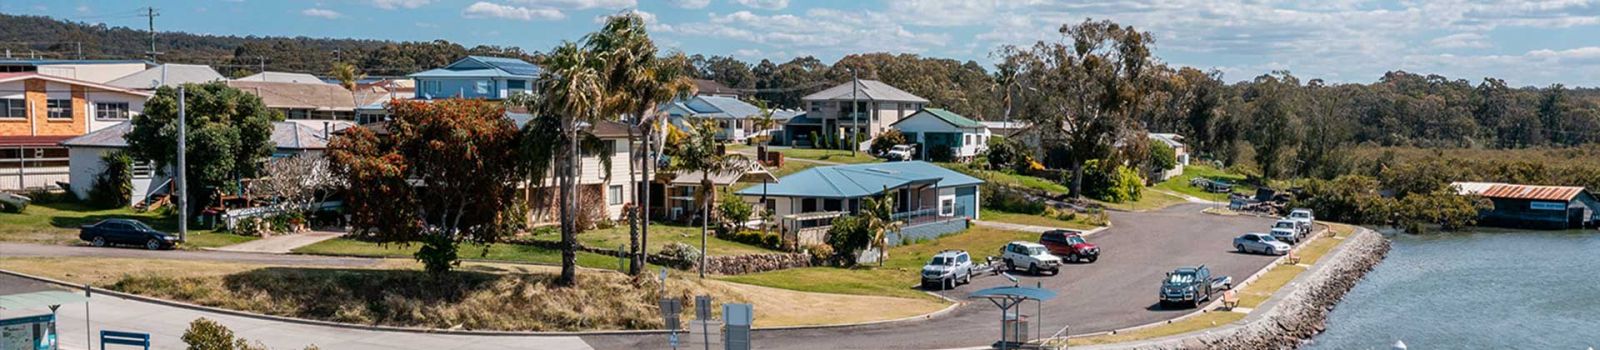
{"type": "Point", "coordinates": [1117, 291]}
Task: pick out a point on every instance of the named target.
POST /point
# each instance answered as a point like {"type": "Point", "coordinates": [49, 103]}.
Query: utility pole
{"type": "Point", "coordinates": [855, 112]}
{"type": "Point", "coordinates": [183, 181]}
{"type": "Point", "coordinates": [261, 65]}
{"type": "Point", "coordinates": [79, 44]}
{"type": "Point", "coordinates": [151, 13]}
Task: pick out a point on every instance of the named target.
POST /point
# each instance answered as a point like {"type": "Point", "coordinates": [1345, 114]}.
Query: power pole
{"type": "Point", "coordinates": [79, 44]}
{"type": "Point", "coordinates": [151, 13]}
{"type": "Point", "coordinates": [855, 112]}
{"type": "Point", "coordinates": [183, 181]}
{"type": "Point", "coordinates": [261, 64]}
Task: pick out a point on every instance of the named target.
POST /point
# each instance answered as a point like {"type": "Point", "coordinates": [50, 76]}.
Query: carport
{"type": "Point", "coordinates": [1013, 332]}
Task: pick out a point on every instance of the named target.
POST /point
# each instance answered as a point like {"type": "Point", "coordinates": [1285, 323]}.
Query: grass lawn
{"type": "Point", "coordinates": [1198, 322]}
{"type": "Point", "coordinates": [497, 252]}
{"type": "Point", "coordinates": [899, 273]}
{"type": "Point", "coordinates": [660, 236]}
{"type": "Point", "coordinates": [1150, 200]}
{"type": "Point", "coordinates": [831, 155]}
{"type": "Point", "coordinates": [57, 223]}
{"type": "Point", "coordinates": [1011, 179]}
{"type": "Point", "coordinates": [1078, 222]}
{"type": "Point", "coordinates": [1180, 183]}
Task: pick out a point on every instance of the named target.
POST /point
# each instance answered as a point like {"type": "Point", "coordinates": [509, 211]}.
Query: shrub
{"type": "Point", "coordinates": [848, 235]}
{"type": "Point", "coordinates": [1111, 183]}
{"type": "Point", "coordinates": [438, 254]}
{"type": "Point", "coordinates": [1162, 156]}
{"type": "Point", "coordinates": [685, 255]}
{"type": "Point", "coordinates": [113, 187]}
{"type": "Point", "coordinates": [1444, 208]}
{"type": "Point", "coordinates": [940, 154]}
{"type": "Point", "coordinates": [886, 140]}
{"type": "Point", "coordinates": [252, 226]}
{"type": "Point", "coordinates": [1006, 199]}
{"type": "Point", "coordinates": [821, 253]}
{"type": "Point", "coordinates": [733, 211]}
{"type": "Point", "coordinates": [1007, 154]}
{"type": "Point", "coordinates": [205, 334]}
{"type": "Point", "coordinates": [756, 238]}
{"type": "Point", "coordinates": [1060, 214]}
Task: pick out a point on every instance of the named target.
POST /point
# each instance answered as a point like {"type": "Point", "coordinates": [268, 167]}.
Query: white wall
{"type": "Point", "coordinates": [135, 107]}
{"type": "Point", "coordinates": [925, 123]}
{"type": "Point", "coordinates": [86, 166]}
{"type": "Point", "coordinates": [98, 73]}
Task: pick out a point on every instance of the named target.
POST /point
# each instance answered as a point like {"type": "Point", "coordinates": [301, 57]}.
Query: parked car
{"type": "Point", "coordinates": [1286, 235]}
{"type": "Point", "coordinates": [124, 231]}
{"type": "Point", "coordinates": [1069, 245]}
{"type": "Point", "coordinates": [1303, 215]}
{"type": "Point", "coordinates": [1191, 286]}
{"type": "Point", "coordinates": [1260, 243]}
{"type": "Point", "coordinates": [1210, 185]}
{"type": "Point", "coordinates": [947, 269]}
{"type": "Point", "coordinates": [1298, 226]}
{"type": "Point", "coordinates": [1034, 256]}
{"type": "Point", "coordinates": [900, 152]}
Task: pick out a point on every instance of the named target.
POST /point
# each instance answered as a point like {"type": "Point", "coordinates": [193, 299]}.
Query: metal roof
{"type": "Point", "coordinates": [1040, 294]}
{"type": "Point", "coordinates": [32, 140]}
{"type": "Point", "coordinates": [284, 77]}
{"type": "Point", "coordinates": [321, 97]}
{"type": "Point", "coordinates": [717, 107]}
{"type": "Point", "coordinates": [44, 62]}
{"type": "Point", "coordinates": [483, 66]}
{"type": "Point", "coordinates": [952, 118]}
{"type": "Point", "coordinates": [110, 137]}
{"type": "Point", "coordinates": [1548, 193]}
{"type": "Point", "coordinates": [5, 77]}
{"type": "Point", "coordinates": [170, 74]}
{"type": "Point", "coordinates": [869, 90]}
{"type": "Point", "coordinates": [40, 299]}
{"type": "Point", "coordinates": [861, 180]}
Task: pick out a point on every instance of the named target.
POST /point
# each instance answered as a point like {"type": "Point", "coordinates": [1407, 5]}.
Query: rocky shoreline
{"type": "Point", "coordinates": [1300, 315]}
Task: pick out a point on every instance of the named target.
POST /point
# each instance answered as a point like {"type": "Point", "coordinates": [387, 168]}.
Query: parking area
{"type": "Point", "coordinates": [1118, 291]}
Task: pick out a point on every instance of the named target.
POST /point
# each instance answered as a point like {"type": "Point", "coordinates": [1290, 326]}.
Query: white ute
{"type": "Point", "coordinates": [1032, 256]}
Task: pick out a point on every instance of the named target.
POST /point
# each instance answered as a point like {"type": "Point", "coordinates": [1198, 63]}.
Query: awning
{"type": "Point", "coordinates": [40, 299]}
{"type": "Point", "coordinates": [1039, 294]}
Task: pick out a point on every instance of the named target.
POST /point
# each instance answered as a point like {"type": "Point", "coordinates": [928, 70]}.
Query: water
{"type": "Point", "coordinates": [1484, 290]}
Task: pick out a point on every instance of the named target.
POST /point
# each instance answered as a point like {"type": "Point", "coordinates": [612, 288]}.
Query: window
{"type": "Point", "coordinates": [142, 169]}
{"type": "Point", "coordinates": [481, 87]}
{"type": "Point", "coordinates": [298, 114]}
{"type": "Point", "coordinates": [517, 84]}
{"type": "Point", "coordinates": [431, 86]}
{"type": "Point", "coordinates": [13, 108]}
{"type": "Point", "coordinates": [808, 205]}
{"type": "Point", "coordinates": [112, 110]}
{"type": "Point", "coordinates": [772, 205]}
{"type": "Point", "coordinates": [947, 207]}
{"type": "Point", "coordinates": [969, 140]}
{"type": "Point", "coordinates": [832, 205]}
{"type": "Point", "coordinates": [614, 195]}
{"type": "Point", "coordinates": [816, 107]}
{"type": "Point", "coordinates": [59, 109]}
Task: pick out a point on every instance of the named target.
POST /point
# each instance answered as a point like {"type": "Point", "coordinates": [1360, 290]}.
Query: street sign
{"type": "Point", "coordinates": [702, 307]}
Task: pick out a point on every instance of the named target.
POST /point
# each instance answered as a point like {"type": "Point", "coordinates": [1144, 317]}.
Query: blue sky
{"type": "Point", "coordinates": [1526, 42]}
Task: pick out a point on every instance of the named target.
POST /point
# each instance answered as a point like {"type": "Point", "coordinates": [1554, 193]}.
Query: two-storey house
{"type": "Point", "coordinates": [494, 78]}
{"type": "Point", "coordinates": [38, 111]}
{"type": "Point", "coordinates": [864, 107]}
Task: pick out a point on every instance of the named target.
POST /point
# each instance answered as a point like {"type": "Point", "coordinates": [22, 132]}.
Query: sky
{"type": "Point", "coordinates": [1525, 42]}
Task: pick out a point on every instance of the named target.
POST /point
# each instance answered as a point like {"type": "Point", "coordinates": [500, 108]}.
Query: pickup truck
{"type": "Point", "coordinates": [947, 269]}
{"type": "Point", "coordinates": [1034, 256]}
{"type": "Point", "coordinates": [900, 152]}
{"type": "Point", "coordinates": [1300, 228]}
{"type": "Point", "coordinates": [1191, 286]}
{"type": "Point", "coordinates": [1069, 245]}
{"type": "Point", "coordinates": [1305, 216]}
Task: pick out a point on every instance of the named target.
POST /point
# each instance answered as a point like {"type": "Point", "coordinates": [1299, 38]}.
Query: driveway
{"type": "Point", "coordinates": [282, 244]}
{"type": "Point", "coordinates": [1115, 292]}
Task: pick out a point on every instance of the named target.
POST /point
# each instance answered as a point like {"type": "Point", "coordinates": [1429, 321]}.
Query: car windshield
{"type": "Point", "coordinates": [1300, 215]}
{"type": "Point", "coordinates": [1180, 278]}
{"type": "Point", "coordinates": [1266, 238]}
{"type": "Point", "coordinates": [1285, 224]}
{"type": "Point", "coordinates": [1035, 250]}
{"type": "Point", "coordinates": [1075, 240]}
{"type": "Point", "coordinates": [939, 260]}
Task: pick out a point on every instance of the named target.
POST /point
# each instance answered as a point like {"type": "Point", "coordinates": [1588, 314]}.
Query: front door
{"type": "Point", "coordinates": [1575, 217]}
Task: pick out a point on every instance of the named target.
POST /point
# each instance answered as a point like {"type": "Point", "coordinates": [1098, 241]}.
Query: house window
{"type": "Point", "coordinates": [59, 109]}
{"type": "Point", "coordinates": [832, 205]}
{"type": "Point", "coordinates": [816, 107]}
{"type": "Point", "coordinates": [431, 86]}
{"type": "Point", "coordinates": [298, 114]}
{"type": "Point", "coordinates": [969, 140]}
{"type": "Point", "coordinates": [142, 169]}
{"type": "Point", "coordinates": [517, 84]}
{"type": "Point", "coordinates": [808, 205]}
{"type": "Point", "coordinates": [772, 205]}
{"type": "Point", "coordinates": [481, 87]}
{"type": "Point", "coordinates": [947, 207]}
{"type": "Point", "coordinates": [614, 195]}
{"type": "Point", "coordinates": [111, 110]}
{"type": "Point", "coordinates": [13, 108]}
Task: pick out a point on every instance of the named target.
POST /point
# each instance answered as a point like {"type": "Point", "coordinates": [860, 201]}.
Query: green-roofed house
{"type": "Point", "coordinates": [939, 130]}
{"type": "Point", "coordinates": [931, 199]}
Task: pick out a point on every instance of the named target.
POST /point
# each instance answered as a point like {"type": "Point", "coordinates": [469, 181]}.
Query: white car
{"type": "Point", "coordinates": [1260, 243]}
{"type": "Point", "coordinates": [1285, 235]}
{"type": "Point", "coordinates": [900, 152]}
{"type": "Point", "coordinates": [1303, 215]}
{"type": "Point", "coordinates": [1032, 256]}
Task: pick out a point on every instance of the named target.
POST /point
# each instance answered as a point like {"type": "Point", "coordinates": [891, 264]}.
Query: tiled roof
{"type": "Point", "coordinates": [869, 90]}
{"type": "Point", "coordinates": [307, 96]}
{"type": "Point", "coordinates": [859, 180]}
{"type": "Point", "coordinates": [170, 74]}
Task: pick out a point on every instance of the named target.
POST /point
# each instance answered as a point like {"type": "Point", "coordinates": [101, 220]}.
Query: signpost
{"type": "Point", "coordinates": [738, 318]}
{"type": "Point", "coordinates": [670, 308]}
{"type": "Point", "coordinates": [702, 312]}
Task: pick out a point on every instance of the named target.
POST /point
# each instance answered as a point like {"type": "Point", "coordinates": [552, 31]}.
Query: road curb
{"type": "Point", "coordinates": [196, 307]}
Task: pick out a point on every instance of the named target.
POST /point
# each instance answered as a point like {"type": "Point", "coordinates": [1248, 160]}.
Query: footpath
{"type": "Point", "coordinates": [281, 244]}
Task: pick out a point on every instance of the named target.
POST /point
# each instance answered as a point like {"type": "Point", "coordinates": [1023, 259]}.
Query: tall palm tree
{"type": "Point", "coordinates": [347, 74]}
{"type": "Point", "coordinates": [638, 82]}
{"type": "Point", "coordinates": [698, 153]}
{"type": "Point", "coordinates": [878, 216]}
{"type": "Point", "coordinates": [569, 96]}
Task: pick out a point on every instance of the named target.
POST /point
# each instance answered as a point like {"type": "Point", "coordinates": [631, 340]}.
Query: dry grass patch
{"type": "Point", "coordinates": [1198, 322]}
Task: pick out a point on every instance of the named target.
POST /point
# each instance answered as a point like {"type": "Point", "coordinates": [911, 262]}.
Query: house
{"type": "Point", "coordinates": [38, 111]}
{"type": "Point", "coordinates": [1529, 206]}
{"type": "Point", "coordinates": [736, 120]}
{"type": "Point", "coordinates": [944, 134]}
{"type": "Point", "coordinates": [1005, 128]}
{"type": "Point", "coordinates": [494, 78]}
{"type": "Point", "coordinates": [1176, 142]}
{"type": "Point", "coordinates": [284, 77]}
{"type": "Point", "coordinates": [169, 75]}
{"type": "Point", "coordinates": [930, 199]}
{"type": "Point", "coordinates": [866, 107]}
{"type": "Point", "coordinates": [290, 138]}
{"type": "Point", "coordinates": [303, 101]}
{"type": "Point", "coordinates": [707, 87]}
{"type": "Point", "coordinates": [675, 195]}
{"type": "Point", "coordinates": [605, 194]}
{"type": "Point", "coordinates": [94, 71]}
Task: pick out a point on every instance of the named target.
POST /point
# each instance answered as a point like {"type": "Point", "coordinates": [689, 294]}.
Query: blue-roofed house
{"type": "Point", "coordinates": [931, 199]}
{"type": "Point", "coordinates": [493, 78]}
{"type": "Point", "coordinates": [735, 118]}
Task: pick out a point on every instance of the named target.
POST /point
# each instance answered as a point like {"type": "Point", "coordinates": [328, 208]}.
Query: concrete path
{"type": "Point", "coordinates": [166, 325]}
{"type": "Point", "coordinates": [283, 244]}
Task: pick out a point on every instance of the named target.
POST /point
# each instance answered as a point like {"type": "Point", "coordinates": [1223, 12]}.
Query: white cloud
{"type": "Point", "coordinates": [764, 4]}
{"type": "Point", "coordinates": [649, 18]}
{"type": "Point", "coordinates": [83, 9]}
{"type": "Point", "coordinates": [816, 32]}
{"type": "Point", "coordinates": [691, 4]}
{"type": "Point", "coordinates": [1461, 41]}
{"type": "Point", "coordinates": [397, 4]}
{"type": "Point", "coordinates": [483, 9]}
{"type": "Point", "coordinates": [321, 13]}
{"type": "Point", "coordinates": [581, 4]}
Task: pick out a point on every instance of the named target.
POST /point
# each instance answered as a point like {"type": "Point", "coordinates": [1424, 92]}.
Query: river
{"type": "Point", "coordinates": [1491, 289]}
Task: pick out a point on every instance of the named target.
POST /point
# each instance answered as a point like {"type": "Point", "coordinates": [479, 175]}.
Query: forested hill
{"type": "Point", "coordinates": [44, 37]}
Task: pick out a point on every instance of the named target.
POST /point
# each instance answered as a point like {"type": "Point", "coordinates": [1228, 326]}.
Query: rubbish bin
{"type": "Point", "coordinates": [1015, 328]}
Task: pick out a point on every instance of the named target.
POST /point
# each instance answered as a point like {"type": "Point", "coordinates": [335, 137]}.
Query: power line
{"type": "Point", "coordinates": [151, 13]}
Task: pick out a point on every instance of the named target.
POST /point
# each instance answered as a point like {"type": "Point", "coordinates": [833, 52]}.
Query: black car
{"type": "Point", "coordinates": [124, 231]}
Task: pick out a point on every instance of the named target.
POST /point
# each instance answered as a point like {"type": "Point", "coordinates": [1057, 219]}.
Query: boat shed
{"type": "Point", "coordinates": [1539, 207]}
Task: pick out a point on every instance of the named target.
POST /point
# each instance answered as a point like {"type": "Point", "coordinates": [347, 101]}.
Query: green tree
{"type": "Point", "coordinates": [699, 154]}
{"type": "Point", "coordinates": [462, 156]}
{"type": "Point", "coordinates": [887, 139]}
{"type": "Point", "coordinates": [1274, 100]}
{"type": "Point", "coordinates": [230, 133]}
{"type": "Point", "coordinates": [734, 212]}
{"type": "Point", "coordinates": [1162, 157]}
{"type": "Point", "coordinates": [877, 216]}
{"type": "Point", "coordinates": [570, 97]}
{"type": "Point", "coordinates": [113, 187]}
{"type": "Point", "coordinates": [347, 74]}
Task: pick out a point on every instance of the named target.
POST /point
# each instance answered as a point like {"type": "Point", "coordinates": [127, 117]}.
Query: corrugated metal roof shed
{"type": "Point", "coordinates": [1548, 193]}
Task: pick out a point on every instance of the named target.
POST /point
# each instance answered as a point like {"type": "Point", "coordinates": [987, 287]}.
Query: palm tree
{"type": "Point", "coordinates": [568, 97]}
{"type": "Point", "coordinates": [347, 74]}
{"type": "Point", "coordinates": [637, 82]}
{"type": "Point", "coordinates": [698, 153]}
{"type": "Point", "coordinates": [878, 216]}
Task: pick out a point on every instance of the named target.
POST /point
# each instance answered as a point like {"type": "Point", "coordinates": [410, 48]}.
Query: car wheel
{"type": "Point", "coordinates": [948, 284]}
{"type": "Point", "coordinates": [98, 241]}
{"type": "Point", "coordinates": [1073, 257]}
{"type": "Point", "coordinates": [1240, 247]}
{"type": "Point", "coordinates": [1033, 269]}
{"type": "Point", "coordinates": [152, 244]}
{"type": "Point", "coordinates": [1197, 303]}
{"type": "Point", "coordinates": [1010, 266]}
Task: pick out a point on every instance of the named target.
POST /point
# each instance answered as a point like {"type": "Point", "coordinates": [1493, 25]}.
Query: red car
{"type": "Point", "coordinates": [1069, 245]}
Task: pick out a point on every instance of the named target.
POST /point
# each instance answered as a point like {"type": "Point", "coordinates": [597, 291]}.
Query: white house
{"type": "Point", "coordinates": [866, 107]}
{"type": "Point", "coordinates": [939, 130]}
{"type": "Point", "coordinates": [1176, 142]}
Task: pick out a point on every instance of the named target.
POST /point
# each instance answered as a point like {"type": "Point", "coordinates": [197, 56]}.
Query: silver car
{"type": "Point", "coordinates": [1260, 243]}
